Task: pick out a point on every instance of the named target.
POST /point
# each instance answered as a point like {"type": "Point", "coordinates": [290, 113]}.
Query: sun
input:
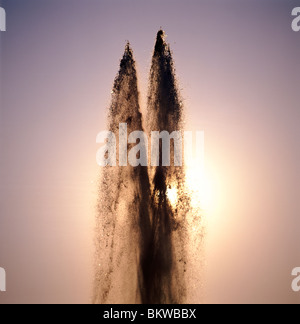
{"type": "Point", "coordinates": [172, 195]}
{"type": "Point", "coordinates": [199, 187]}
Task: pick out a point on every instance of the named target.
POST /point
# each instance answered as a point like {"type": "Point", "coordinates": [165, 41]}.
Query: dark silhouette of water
{"type": "Point", "coordinates": [141, 233]}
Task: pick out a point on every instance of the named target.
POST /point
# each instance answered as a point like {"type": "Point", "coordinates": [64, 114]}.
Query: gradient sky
{"type": "Point", "coordinates": [238, 67]}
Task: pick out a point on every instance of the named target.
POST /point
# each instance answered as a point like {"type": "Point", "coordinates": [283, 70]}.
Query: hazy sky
{"type": "Point", "coordinates": [238, 67]}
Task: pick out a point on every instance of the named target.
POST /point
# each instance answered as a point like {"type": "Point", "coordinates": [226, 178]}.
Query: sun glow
{"type": "Point", "coordinates": [172, 195]}
{"type": "Point", "coordinates": [199, 187]}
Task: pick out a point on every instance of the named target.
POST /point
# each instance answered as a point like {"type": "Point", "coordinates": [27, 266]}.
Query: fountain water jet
{"type": "Point", "coordinates": [142, 232]}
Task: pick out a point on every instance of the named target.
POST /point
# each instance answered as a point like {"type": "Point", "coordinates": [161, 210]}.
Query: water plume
{"type": "Point", "coordinates": [123, 200]}
{"type": "Point", "coordinates": [164, 262]}
{"type": "Point", "coordinates": [144, 213]}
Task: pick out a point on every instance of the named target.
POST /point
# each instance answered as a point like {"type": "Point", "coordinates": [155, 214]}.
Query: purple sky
{"type": "Point", "coordinates": [238, 67]}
